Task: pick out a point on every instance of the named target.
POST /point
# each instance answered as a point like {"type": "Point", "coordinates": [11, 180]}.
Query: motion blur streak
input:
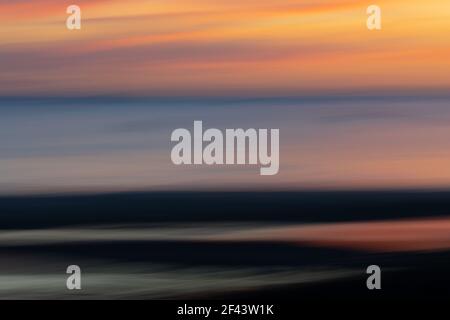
{"type": "Point", "coordinates": [379, 236]}
{"type": "Point", "coordinates": [223, 48]}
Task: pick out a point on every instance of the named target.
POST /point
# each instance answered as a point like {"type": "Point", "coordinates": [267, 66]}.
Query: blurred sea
{"type": "Point", "coordinates": [279, 245]}
{"type": "Point", "coordinates": [102, 145]}
{"type": "Point", "coordinates": [90, 182]}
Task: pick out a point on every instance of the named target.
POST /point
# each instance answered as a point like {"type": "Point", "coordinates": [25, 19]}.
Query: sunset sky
{"type": "Point", "coordinates": [223, 47]}
{"type": "Point", "coordinates": [355, 108]}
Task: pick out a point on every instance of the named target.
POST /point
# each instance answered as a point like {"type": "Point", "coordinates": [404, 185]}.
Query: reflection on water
{"type": "Point", "coordinates": [172, 245]}
{"type": "Point", "coordinates": [202, 260]}
{"type": "Point", "coordinates": [122, 281]}
{"type": "Point", "coordinates": [382, 236]}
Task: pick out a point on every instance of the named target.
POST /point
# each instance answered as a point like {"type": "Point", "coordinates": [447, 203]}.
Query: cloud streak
{"type": "Point", "coordinates": [224, 47]}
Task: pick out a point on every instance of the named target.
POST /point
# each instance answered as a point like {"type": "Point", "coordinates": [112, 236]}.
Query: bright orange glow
{"type": "Point", "coordinates": [198, 47]}
{"type": "Point", "coordinates": [385, 236]}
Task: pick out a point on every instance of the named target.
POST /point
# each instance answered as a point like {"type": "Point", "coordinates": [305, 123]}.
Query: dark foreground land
{"type": "Point", "coordinates": [61, 210]}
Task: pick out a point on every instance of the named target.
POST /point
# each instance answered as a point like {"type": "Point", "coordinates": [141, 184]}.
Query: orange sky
{"type": "Point", "coordinates": [200, 47]}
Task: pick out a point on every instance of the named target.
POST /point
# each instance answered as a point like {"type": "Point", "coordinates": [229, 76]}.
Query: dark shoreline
{"type": "Point", "coordinates": [25, 212]}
